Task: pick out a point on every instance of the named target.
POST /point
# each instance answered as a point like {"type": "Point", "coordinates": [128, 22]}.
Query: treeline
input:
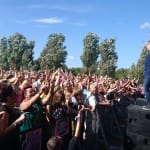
{"type": "Point", "coordinates": [97, 57]}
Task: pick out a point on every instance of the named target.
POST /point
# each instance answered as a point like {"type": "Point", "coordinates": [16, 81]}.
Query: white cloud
{"type": "Point", "coordinates": [70, 57]}
{"type": "Point", "coordinates": [68, 8]}
{"type": "Point", "coordinates": [145, 25]}
{"type": "Point", "coordinates": [51, 20]}
{"type": "Point", "coordinates": [56, 20]}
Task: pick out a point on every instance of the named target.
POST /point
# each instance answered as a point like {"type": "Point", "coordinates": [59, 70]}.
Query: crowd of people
{"type": "Point", "coordinates": [55, 110]}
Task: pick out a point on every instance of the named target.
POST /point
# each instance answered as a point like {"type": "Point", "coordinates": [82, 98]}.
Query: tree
{"type": "Point", "coordinates": [108, 58]}
{"type": "Point", "coordinates": [76, 71]}
{"type": "Point", "coordinates": [137, 70]}
{"type": "Point", "coordinates": [27, 56]}
{"type": "Point", "coordinates": [91, 50]}
{"type": "Point", "coordinates": [16, 52]}
{"type": "Point", "coordinates": [4, 54]}
{"type": "Point", "coordinates": [36, 65]}
{"type": "Point", "coordinates": [133, 71]}
{"type": "Point", "coordinates": [121, 73]}
{"type": "Point", "coordinates": [54, 54]}
{"type": "Point", "coordinates": [140, 66]}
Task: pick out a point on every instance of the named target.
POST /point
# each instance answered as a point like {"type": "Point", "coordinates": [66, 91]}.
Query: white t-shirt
{"type": "Point", "coordinates": [91, 99]}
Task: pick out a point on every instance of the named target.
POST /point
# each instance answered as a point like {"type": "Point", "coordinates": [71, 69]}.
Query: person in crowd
{"type": "Point", "coordinates": [59, 119]}
{"type": "Point", "coordinates": [39, 81]}
{"type": "Point", "coordinates": [55, 96]}
{"type": "Point", "coordinates": [20, 90]}
{"type": "Point", "coordinates": [9, 120]}
{"type": "Point", "coordinates": [33, 130]}
{"type": "Point", "coordinates": [56, 142]}
{"type": "Point", "coordinates": [90, 117]}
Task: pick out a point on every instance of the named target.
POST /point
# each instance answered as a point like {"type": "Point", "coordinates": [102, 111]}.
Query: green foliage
{"type": "Point", "coordinates": [54, 54]}
{"type": "Point", "coordinates": [91, 50]}
{"type": "Point", "coordinates": [36, 65]}
{"type": "Point", "coordinates": [121, 73]}
{"type": "Point", "coordinates": [137, 70]}
{"type": "Point", "coordinates": [108, 58]}
{"type": "Point", "coordinates": [133, 71]}
{"type": "Point", "coordinates": [16, 52]}
{"type": "Point", "coordinates": [76, 71]}
{"type": "Point", "coordinates": [4, 54]}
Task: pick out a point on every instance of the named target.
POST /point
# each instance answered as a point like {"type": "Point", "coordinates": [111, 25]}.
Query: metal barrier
{"type": "Point", "coordinates": [109, 132]}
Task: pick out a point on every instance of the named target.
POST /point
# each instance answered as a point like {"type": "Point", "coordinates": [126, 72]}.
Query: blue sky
{"type": "Point", "coordinates": [128, 21]}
